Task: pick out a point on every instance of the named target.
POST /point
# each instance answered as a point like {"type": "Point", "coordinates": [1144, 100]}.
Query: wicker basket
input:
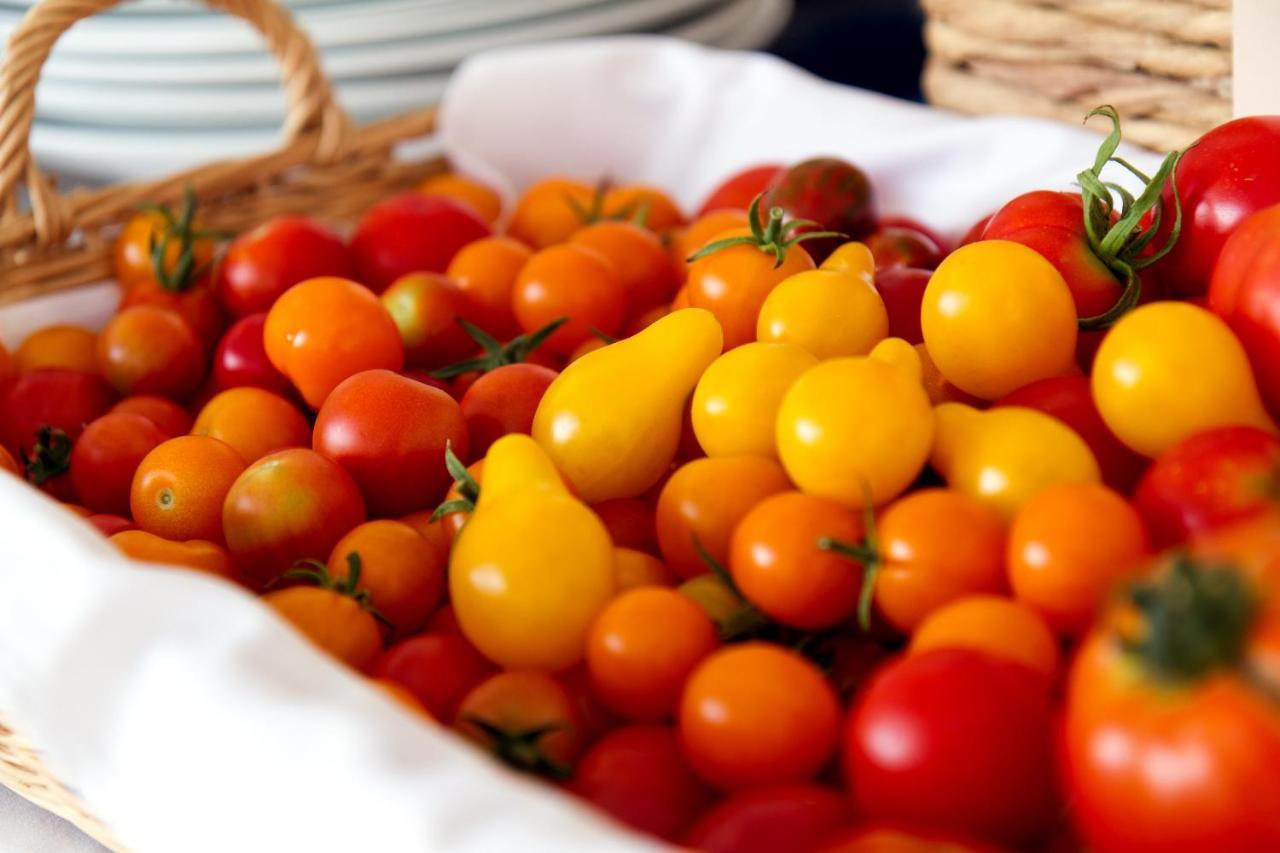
{"type": "Point", "coordinates": [1164, 64]}
{"type": "Point", "coordinates": [326, 167]}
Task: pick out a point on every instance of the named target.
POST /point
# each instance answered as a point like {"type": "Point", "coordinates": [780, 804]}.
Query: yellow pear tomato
{"type": "Point", "coordinates": [735, 406]}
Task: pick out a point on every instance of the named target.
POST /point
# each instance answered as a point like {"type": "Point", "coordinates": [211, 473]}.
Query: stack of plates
{"type": "Point", "coordinates": [159, 85]}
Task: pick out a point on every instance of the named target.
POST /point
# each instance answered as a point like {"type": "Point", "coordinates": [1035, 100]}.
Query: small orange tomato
{"type": "Point", "coordinates": [527, 720]}
{"type": "Point", "coordinates": [589, 345]}
{"type": "Point", "coordinates": [198, 554]}
{"type": "Point", "coordinates": [483, 199]}
{"type": "Point", "coordinates": [632, 569]}
{"type": "Point", "coordinates": [993, 624]}
{"type": "Point", "coordinates": [569, 281]}
{"type": "Point", "coordinates": [132, 259]}
{"type": "Point", "coordinates": [425, 307]}
{"type": "Point", "coordinates": [333, 618]}
{"type": "Point", "coordinates": [253, 421]}
{"type": "Point", "coordinates": [171, 418]}
{"type": "Point", "coordinates": [402, 573]}
{"type": "Point", "coordinates": [549, 211]}
{"type": "Point", "coordinates": [702, 231]}
{"type": "Point", "coordinates": [485, 272]}
{"type": "Point", "coordinates": [322, 330]}
{"type": "Point", "coordinates": [436, 534]}
{"type": "Point", "coordinates": [58, 346]}
{"type": "Point", "coordinates": [179, 487]}
{"type": "Point", "coordinates": [151, 350]}
{"type": "Point", "coordinates": [196, 304]}
{"type": "Point", "coordinates": [642, 203]}
{"type": "Point", "coordinates": [704, 501]}
{"type": "Point", "coordinates": [1069, 546]}
{"type": "Point", "coordinates": [637, 255]}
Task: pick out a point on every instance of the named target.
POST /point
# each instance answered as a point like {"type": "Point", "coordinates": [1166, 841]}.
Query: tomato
{"type": "Point", "coordinates": [1245, 291]}
{"type": "Point", "coordinates": [735, 405]}
{"type": "Point", "coordinates": [739, 189]}
{"type": "Point", "coordinates": [172, 419]}
{"type": "Point", "coordinates": [438, 668]}
{"type": "Point", "coordinates": [1230, 172]}
{"type": "Point", "coordinates": [8, 463]}
{"type": "Point", "coordinates": [151, 350]}
{"type": "Point", "coordinates": [998, 626]}
{"type": "Point", "coordinates": [756, 714]}
{"type": "Point", "coordinates": [411, 232]}
{"type": "Point", "coordinates": [633, 569]}
{"type": "Point", "coordinates": [1208, 480]}
{"type": "Point", "coordinates": [426, 308]}
{"type": "Point", "coordinates": [636, 775]}
{"type": "Point", "coordinates": [401, 697]}
{"type": "Point", "coordinates": [485, 273]}
{"type": "Point", "coordinates": [1172, 736]}
{"type": "Point", "coordinates": [957, 740]}
{"type": "Point", "coordinates": [855, 430]}
{"type": "Point", "coordinates": [704, 500]}
{"type": "Point", "coordinates": [886, 837]}
{"type": "Point", "coordinates": [902, 288]}
{"type": "Point", "coordinates": [549, 211]}
{"type": "Point", "coordinates": [69, 347]}
{"type": "Point", "coordinates": [778, 564]}
{"type": "Point", "coordinates": [105, 457]}
{"type": "Point", "coordinates": [904, 246]}
{"type": "Point", "coordinates": [503, 401]}
{"type": "Point", "coordinates": [241, 359]}
{"type": "Point", "coordinates": [631, 523]}
{"type": "Point", "coordinates": [400, 570]}
{"type": "Point", "coordinates": [527, 720]}
{"type": "Point", "coordinates": [1070, 400]}
{"type": "Point", "coordinates": [936, 545]}
{"type": "Point", "coordinates": [54, 397]}
{"type": "Point", "coordinates": [261, 264]}
{"type": "Point", "coordinates": [794, 816]}
{"type": "Point", "coordinates": [832, 193]}
{"type": "Point", "coordinates": [646, 205]}
{"type": "Point", "coordinates": [197, 554]}
{"type": "Point", "coordinates": [179, 486]}
{"type": "Point", "coordinates": [390, 434]}
{"type": "Point", "coordinates": [333, 616]}
{"type": "Point", "coordinates": [571, 281]}
{"type": "Point", "coordinates": [156, 247]}
{"type": "Point", "coordinates": [291, 505]}
{"type": "Point", "coordinates": [109, 525]}
{"type": "Point", "coordinates": [482, 198]}
{"type": "Point", "coordinates": [647, 275]}
{"type": "Point", "coordinates": [325, 329]}
{"type": "Point", "coordinates": [641, 649]}
{"type": "Point", "coordinates": [1069, 546]}
{"type": "Point", "coordinates": [1169, 370]}
{"type": "Point", "coordinates": [997, 316]}
{"type": "Point", "coordinates": [253, 421]}
{"type": "Point", "coordinates": [195, 304]}
{"type": "Point", "coordinates": [936, 386]}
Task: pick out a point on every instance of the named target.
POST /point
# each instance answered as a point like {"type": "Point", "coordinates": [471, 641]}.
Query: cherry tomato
{"type": "Point", "coordinates": [958, 740]}
{"type": "Point", "coordinates": [641, 203]}
{"type": "Point", "coordinates": [69, 347]}
{"type": "Point", "coordinates": [105, 457]}
{"type": "Point", "coordinates": [198, 554]}
{"type": "Point", "coordinates": [527, 720]}
{"type": "Point", "coordinates": [261, 264]}
{"type": "Point", "coordinates": [150, 350]}
{"type": "Point", "coordinates": [253, 421]}
{"type": "Point", "coordinates": [195, 304]}
{"type": "Point", "coordinates": [736, 402]}
{"type": "Point", "coordinates": [326, 329]}
{"type": "Point", "coordinates": [739, 189]}
{"type": "Point", "coordinates": [631, 523]}
{"type": "Point", "coordinates": [400, 570]}
{"type": "Point", "coordinates": [411, 232]}
{"type": "Point", "coordinates": [887, 837]}
{"type": "Point", "coordinates": [241, 359]}
{"type": "Point", "coordinates": [569, 281]}
{"type": "Point", "coordinates": [133, 257]}
{"type": "Point", "coordinates": [903, 246]}
{"type": "Point", "coordinates": [332, 618]}
{"type": "Point", "coordinates": [485, 273]}
{"type": "Point", "coordinates": [172, 419]}
{"type": "Point", "coordinates": [8, 463]}
{"type": "Point", "coordinates": [702, 231]}
{"type": "Point", "coordinates": [54, 397]}
{"type": "Point", "coordinates": [638, 257]}
{"type": "Point", "coordinates": [482, 198]}
{"type": "Point", "coordinates": [998, 626]}
{"type": "Point", "coordinates": [549, 211]}
{"type": "Point", "coordinates": [179, 486]}
{"type": "Point", "coordinates": [756, 714]}
{"type": "Point", "coordinates": [438, 668]}
{"type": "Point", "coordinates": [794, 816]}
{"type": "Point", "coordinates": [503, 401]}
{"type": "Point", "coordinates": [426, 308]}
{"type": "Point", "coordinates": [633, 569]}
{"type": "Point", "coordinates": [831, 192]}
{"type": "Point", "coordinates": [902, 289]}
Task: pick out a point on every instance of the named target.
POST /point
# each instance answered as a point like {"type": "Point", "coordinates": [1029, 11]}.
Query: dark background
{"type": "Point", "coordinates": [873, 44]}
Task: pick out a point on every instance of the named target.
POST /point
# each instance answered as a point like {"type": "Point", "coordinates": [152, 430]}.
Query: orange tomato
{"type": "Point", "coordinates": [198, 554]}
{"type": "Point", "coordinates": [132, 261]}
{"type": "Point", "coordinates": [402, 572]}
{"type": "Point", "coordinates": [702, 231]}
{"type": "Point", "coordinates": [527, 719]}
{"type": "Point", "coordinates": [322, 330]}
{"type": "Point", "coordinates": [150, 350]}
{"type": "Point", "coordinates": [705, 500]}
{"type": "Point", "coordinates": [548, 211]}
{"type": "Point", "coordinates": [58, 346]}
{"type": "Point", "coordinates": [639, 202]}
{"type": "Point", "coordinates": [483, 199]}
{"type": "Point", "coordinates": [637, 255]}
{"type": "Point", "coordinates": [331, 619]}
{"type": "Point", "coordinates": [253, 421]}
{"type": "Point", "coordinates": [632, 569]}
{"type": "Point", "coordinates": [681, 299]}
{"type": "Point", "coordinates": [437, 534]}
{"type": "Point", "coordinates": [1069, 546]}
{"type": "Point", "coordinates": [485, 273]}
{"type": "Point", "coordinates": [197, 304]}
{"type": "Point", "coordinates": [993, 624]}
{"type": "Point", "coordinates": [179, 487]}
{"type": "Point", "coordinates": [569, 281]}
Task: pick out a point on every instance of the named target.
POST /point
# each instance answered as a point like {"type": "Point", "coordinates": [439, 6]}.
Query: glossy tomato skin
{"type": "Point", "coordinates": [1230, 172]}
{"type": "Point", "coordinates": [1208, 480]}
{"type": "Point", "coordinates": [172, 419]}
{"type": "Point", "coordinates": [1245, 291]}
{"type": "Point", "coordinates": [65, 399]}
{"type": "Point", "coordinates": [426, 308]}
{"type": "Point", "coordinates": [833, 193]}
{"type": "Point", "coordinates": [904, 246]}
{"type": "Point", "coordinates": [503, 401]}
{"type": "Point", "coordinates": [737, 191]}
{"type": "Point", "coordinates": [196, 304]}
{"type": "Point", "coordinates": [147, 349]}
{"type": "Point", "coordinates": [390, 433]}
{"type": "Point", "coordinates": [902, 289]}
{"type": "Point", "coordinates": [734, 282]}
{"type": "Point", "coordinates": [796, 816]}
{"type": "Point", "coordinates": [411, 232]}
{"type": "Point", "coordinates": [241, 359]}
{"type": "Point", "coordinates": [958, 740]}
{"type": "Point", "coordinates": [439, 668]}
{"type": "Point", "coordinates": [261, 264]}
{"type": "Point", "coordinates": [105, 457]}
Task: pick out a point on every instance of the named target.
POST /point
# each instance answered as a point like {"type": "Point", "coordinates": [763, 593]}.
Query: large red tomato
{"type": "Point", "coordinates": [412, 232]}
{"type": "Point", "coordinates": [261, 264]}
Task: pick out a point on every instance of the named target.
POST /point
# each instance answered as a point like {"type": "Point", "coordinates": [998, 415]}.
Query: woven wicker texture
{"type": "Point", "coordinates": [1164, 64]}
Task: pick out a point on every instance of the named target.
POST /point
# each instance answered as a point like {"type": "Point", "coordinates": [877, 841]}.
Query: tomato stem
{"type": "Point", "coordinates": [497, 354]}
{"type": "Point", "coordinates": [466, 486]}
{"type": "Point", "coordinates": [866, 553]}
{"type": "Point", "coordinates": [772, 236]}
{"type": "Point", "coordinates": [49, 458]}
{"type": "Point", "coordinates": [521, 749]}
{"type": "Point", "coordinates": [182, 228]}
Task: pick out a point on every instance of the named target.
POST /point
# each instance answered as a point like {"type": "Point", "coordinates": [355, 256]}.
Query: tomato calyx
{"type": "Point", "coordinates": [520, 748]}
{"type": "Point", "coordinates": [50, 457]}
{"type": "Point", "coordinates": [772, 236]}
{"type": "Point", "coordinates": [637, 213]}
{"type": "Point", "coordinates": [867, 554]}
{"type": "Point", "coordinates": [464, 484]}
{"type": "Point", "coordinates": [1121, 245]}
{"type": "Point", "coordinates": [746, 622]}
{"type": "Point", "coordinates": [317, 573]}
{"type": "Point", "coordinates": [181, 228]}
{"type": "Point", "coordinates": [497, 354]}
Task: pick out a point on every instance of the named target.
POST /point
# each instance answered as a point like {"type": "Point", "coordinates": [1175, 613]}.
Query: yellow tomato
{"type": "Point", "coordinates": [850, 428]}
{"type": "Point", "coordinates": [1169, 370]}
{"type": "Point", "coordinates": [831, 312]}
{"type": "Point", "coordinates": [997, 316]}
{"type": "Point", "coordinates": [70, 347]}
{"type": "Point", "coordinates": [901, 354]}
{"type": "Point", "coordinates": [1005, 456]}
{"type": "Point", "coordinates": [735, 406]}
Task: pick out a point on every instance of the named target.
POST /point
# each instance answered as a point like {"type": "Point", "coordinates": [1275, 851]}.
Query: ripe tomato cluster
{"type": "Point", "coordinates": [788, 526]}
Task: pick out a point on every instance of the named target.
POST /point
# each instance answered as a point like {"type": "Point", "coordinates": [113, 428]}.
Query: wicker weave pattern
{"type": "Point", "coordinates": [1165, 64]}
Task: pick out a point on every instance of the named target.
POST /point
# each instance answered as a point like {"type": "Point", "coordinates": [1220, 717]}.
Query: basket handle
{"type": "Point", "coordinates": [311, 104]}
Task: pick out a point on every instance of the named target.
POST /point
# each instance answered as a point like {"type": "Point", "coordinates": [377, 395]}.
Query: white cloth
{"type": "Point", "coordinates": [189, 718]}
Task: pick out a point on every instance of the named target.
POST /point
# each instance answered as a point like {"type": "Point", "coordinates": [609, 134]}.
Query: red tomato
{"type": "Point", "coordinates": [411, 232]}
{"type": "Point", "coordinates": [637, 776]}
{"type": "Point", "coordinates": [631, 523]}
{"type": "Point", "coordinates": [958, 740]}
{"type": "Point", "coordinates": [739, 189]}
{"type": "Point", "coordinates": [261, 264]}
{"type": "Point", "coordinates": [1208, 480]}
{"type": "Point", "coordinates": [1245, 291]}
{"type": "Point", "coordinates": [569, 281]}
{"type": "Point", "coordinates": [241, 359]}
{"type": "Point", "coordinates": [503, 401]}
{"type": "Point", "coordinates": [63, 399]}
{"type": "Point", "coordinates": [195, 304]}
{"type": "Point", "coordinates": [439, 668]}
{"type": "Point", "coordinates": [834, 194]}
{"type": "Point", "coordinates": [110, 525]}
{"type": "Point", "coordinates": [903, 246]}
{"type": "Point", "coordinates": [105, 457]}
{"type": "Point", "coordinates": [390, 434]}
{"type": "Point", "coordinates": [976, 231]}
{"type": "Point", "coordinates": [1230, 172]}
{"type": "Point", "coordinates": [902, 289]}
{"type": "Point", "coordinates": [151, 350]}
{"type": "Point", "coordinates": [792, 817]}
{"type": "Point", "coordinates": [426, 308]}
{"type": "Point", "coordinates": [884, 837]}
{"type": "Point", "coordinates": [172, 419]}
